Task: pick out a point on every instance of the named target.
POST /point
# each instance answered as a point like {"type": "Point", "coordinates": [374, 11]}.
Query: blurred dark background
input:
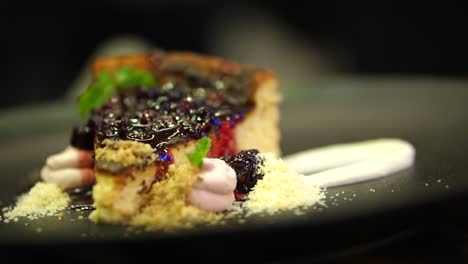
{"type": "Point", "coordinates": [47, 43]}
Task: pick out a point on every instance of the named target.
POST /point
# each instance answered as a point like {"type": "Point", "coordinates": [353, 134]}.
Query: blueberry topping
{"type": "Point", "coordinates": [246, 164]}
{"type": "Point", "coordinates": [189, 103]}
{"type": "Point", "coordinates": [82, 138]}
{"type": "Point", "coordinates": [174, 113]}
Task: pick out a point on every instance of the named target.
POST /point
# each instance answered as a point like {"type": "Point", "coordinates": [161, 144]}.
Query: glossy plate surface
{"type": "Point", "coordinates": [430, 114]}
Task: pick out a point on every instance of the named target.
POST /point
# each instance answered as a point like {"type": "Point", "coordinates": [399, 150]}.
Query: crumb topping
{"type": "Point", "coordinates": [168, 208]}
{"type": "Point", "coordinates": [118, 155]}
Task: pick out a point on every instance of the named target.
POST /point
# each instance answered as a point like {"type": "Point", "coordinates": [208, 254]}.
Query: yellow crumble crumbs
{"type": "Point", "coordinates": [125, 153]}
{"type": "Point", "coordinates": [281, 189]}
{"type": "Point", "coordinates": [44, 199]}
{"type": "Point", "coordinates": [168, 208]}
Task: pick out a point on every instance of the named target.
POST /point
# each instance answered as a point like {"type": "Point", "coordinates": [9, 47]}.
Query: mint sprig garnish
{"type": "Point", "coordinates": [127, 77]}
{"type": "Point", "coordinates": [97, 93]}
{"type": "Point", "coordinates": [201, 150]}
{"type": "Point", "coordinates": [107, 84]}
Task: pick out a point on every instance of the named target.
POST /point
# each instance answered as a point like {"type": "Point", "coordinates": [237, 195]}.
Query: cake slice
{"type": "Point", "coordinates": [140, 133]}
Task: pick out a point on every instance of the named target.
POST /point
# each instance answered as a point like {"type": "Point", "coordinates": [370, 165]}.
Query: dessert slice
{"type": "Point", "coordinates": [142, 132]}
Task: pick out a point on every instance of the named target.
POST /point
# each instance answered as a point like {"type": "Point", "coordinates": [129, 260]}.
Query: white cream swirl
{"type": "Point", "coordinates": [71, 168]}
{"type": "Point", "coordinates": [215, 190]}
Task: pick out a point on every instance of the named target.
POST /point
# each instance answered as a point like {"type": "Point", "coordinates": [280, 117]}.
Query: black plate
{"type": "Point", "coordinates": [427, 197]}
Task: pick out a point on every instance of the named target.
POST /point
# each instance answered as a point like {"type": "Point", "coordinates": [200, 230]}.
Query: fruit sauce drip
{"type": "Point", "coordinates": [247, 166]}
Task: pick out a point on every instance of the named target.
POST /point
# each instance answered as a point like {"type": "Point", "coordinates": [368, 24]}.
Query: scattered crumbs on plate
{"type": "Point", "coordinates": [230, 215]}
{"type": "Point", "coordinates": [281, 189]}
{"type": "Point", "coordinates": [43, 199]}
{"type": "Point", "coordinates": [59, 216]}
{"type": "Point", "coordinates": [298, 212]}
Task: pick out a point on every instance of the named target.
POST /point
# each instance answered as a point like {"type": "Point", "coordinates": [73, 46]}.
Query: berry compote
{"type": "Point", "coordinates": [189, 103]}
{"type": "Point", "coordinates": [247, 166]}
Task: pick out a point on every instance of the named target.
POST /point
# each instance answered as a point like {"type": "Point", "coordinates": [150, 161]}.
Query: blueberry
{"type": "Point", "coordinates": [82, 138]}
{"type": "Point", "coordinates": [246, 164]}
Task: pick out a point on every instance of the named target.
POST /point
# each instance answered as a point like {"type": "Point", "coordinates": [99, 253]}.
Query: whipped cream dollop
{"type": "Point", "coordinates": [71, 168]}
{"type": "Point", "coordinates": [215, 190]}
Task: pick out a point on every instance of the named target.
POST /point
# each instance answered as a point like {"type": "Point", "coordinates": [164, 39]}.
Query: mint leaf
{"type": "Point", "coordinates": [127, 77]}
{"type": "Point", "coordinates": [106, 84]}
{"type": "Point", "coordinates": [201, 150]}
{"type": "Point", "coordinates": [147, 79]}
{"type": "Point", "coordinates": [96, 94]}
